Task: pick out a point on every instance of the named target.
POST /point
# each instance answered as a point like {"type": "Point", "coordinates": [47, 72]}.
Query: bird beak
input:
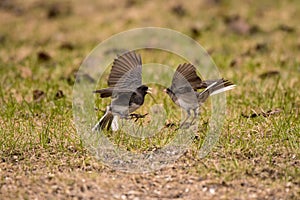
{"type": "Point", "coordinates": [149, 91]}
{"type": "Point", "coordinates": [165, 90]}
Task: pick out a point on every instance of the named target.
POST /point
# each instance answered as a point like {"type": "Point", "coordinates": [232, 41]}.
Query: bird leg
{"type": "Point", "coordinates": [188, 116]}
{"type": "Point", "coordinates": [196, 114]}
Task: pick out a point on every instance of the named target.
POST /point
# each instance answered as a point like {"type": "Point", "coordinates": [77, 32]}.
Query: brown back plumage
{"type": "Point", "coordinates": [188, 72]}
{"type": "Point", "coordinates": [126, 72]}
{"type": "Point", "coordinates": [125, 75]}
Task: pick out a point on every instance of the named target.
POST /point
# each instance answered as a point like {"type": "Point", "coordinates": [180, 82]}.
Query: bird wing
{"type": "Point", "coordinates": [112, 92]}
{"type": "Point", "coordinates": [126, 72]}
{"type": "Point", "coordinates": [185, 79]}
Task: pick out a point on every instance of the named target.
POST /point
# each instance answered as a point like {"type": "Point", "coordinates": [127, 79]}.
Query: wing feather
{"type": "Point", "coordinates": [185, 78]}
{"type": "Point", "coordinates": [126, 71]}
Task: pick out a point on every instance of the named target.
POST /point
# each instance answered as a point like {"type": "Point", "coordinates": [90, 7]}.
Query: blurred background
{"type": "Point", "coordinates": [257, 35]}
{"type": "Point", "coordinates": [228, 27]}
{"type": "Point", "coordinates": [50, 39]}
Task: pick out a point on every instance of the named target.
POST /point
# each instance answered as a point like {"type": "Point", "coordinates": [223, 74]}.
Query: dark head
{"type": "Point", "coordinates": [171, 94]}
{"type": "Point", "coordinates": [144, 89]}
{"type": "Point", "coordinates": [168, 91]}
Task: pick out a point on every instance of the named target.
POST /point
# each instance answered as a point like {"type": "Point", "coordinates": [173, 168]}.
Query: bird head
{"type": "Point", "coordinates": [144, 90]}
{"type": "Point", "coordinates": [168, 91]}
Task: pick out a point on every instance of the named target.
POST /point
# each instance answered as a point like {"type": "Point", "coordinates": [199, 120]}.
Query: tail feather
{"type": "Point", "coordinates": [216, 87]}
{"type": "Point", "coordinates": [223, 89]}
{"type": "Point", "coordinates": [114, 125]}
{"type": "Point", "coordinates": [202, 96]}
{"type": "Point", "coordinates": [221, 86]}
{"type": "Point", "coordinates": [107, 92]}
{"type": "Point", "coordinates": [206, 83]}
{"type": "Point", "coordinates": [105, 121]}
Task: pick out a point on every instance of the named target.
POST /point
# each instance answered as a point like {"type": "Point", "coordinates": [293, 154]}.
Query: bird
{"type": "Point", "coordinates": [126, 90]}
{"type": "Point", "coordinates": [184, 86]}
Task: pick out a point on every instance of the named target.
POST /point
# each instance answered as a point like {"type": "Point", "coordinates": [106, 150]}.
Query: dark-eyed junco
{"type": "Point", "coordinates": [183, 90]}
{"type": "Point", "coordinates": [126, 89]}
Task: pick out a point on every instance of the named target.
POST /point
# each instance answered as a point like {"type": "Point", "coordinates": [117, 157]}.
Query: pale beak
{"type": "Point", "coordinates": [149, 91]}
{"type": "Point", "coordinates": [150, 94]}
{"type": "Point", "coordinates": [165, 90]}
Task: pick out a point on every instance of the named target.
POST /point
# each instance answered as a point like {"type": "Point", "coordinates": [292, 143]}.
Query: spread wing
{"type": "Point", "coordinates": [126, 72]}
{"type": "Point", "coordinates": [185, 79]}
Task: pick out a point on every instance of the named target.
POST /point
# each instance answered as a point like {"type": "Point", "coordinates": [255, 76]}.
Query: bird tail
{"type": "Point", "coordinates": [221, 86]}
{"type": "Point", "coordinates": [107, 120]}
{"type": "Point", "coordinates": [107, 92]}
{"type": "Point", "coordinates": [216, 87]}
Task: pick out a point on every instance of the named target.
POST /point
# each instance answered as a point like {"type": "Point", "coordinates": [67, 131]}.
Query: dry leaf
{"type": "Point", "coordinates": [179, 10]}
{"type": "Point", "coordinates": [263, 113]}
{"type": "Point", "coordinates": [43, 56]}
{"type": "Point", "coordinates": [236, 62]}
{"type": "Point", "coordinates": [59, 94]}
{"type": "Point", "coordinates": [261, 47]}
{"type": "Point", "coordinates": [269, 74]}
{"type": "Point", "coordinates": [240, 25]}
{"type": "Point", "coordinates": [59, 9]}
{"type": "Point", "coordinates": [196, 30]}
{"type": "Point", "coordinates": [67, 46]}
{"type": "Point", "coordinates": [38, 95]}
{"type": "Point", "coordinates": [286, 28]}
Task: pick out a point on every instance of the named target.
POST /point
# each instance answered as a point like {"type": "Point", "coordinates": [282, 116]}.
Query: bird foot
{"type": "Point", "coordinates": [137, 116]}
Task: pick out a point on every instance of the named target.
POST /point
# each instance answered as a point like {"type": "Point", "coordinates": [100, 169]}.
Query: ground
{"type": "Point", "coordinates": [255, 45]}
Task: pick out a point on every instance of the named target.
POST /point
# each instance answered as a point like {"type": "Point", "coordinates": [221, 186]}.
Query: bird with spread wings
{"type": "Point", "coordinates": [186, 82]}
{"type": "Point", "coordinates": [125, 88]}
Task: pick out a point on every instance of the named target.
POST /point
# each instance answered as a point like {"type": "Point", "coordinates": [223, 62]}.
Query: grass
{"type": "Point", "coordinates": [255, 157]}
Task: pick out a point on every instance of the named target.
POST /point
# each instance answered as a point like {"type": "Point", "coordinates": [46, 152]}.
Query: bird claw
{"type": "Point", "coordinates": [137, 116]}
